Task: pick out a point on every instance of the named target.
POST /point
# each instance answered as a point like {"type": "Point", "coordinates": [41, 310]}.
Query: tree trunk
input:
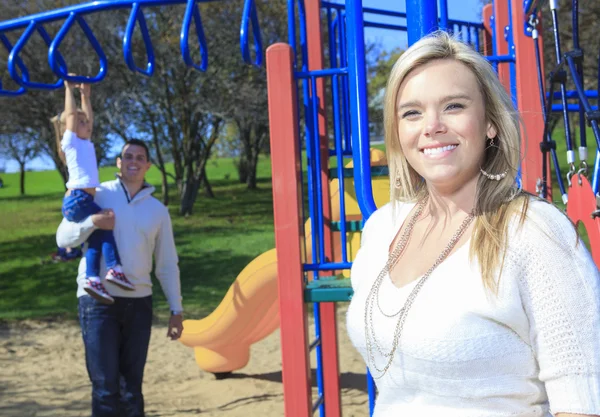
{"type": "Point", "coordinates": [22, 179]}
{"type": "Point", "coordinates": [165, 188]}
{"type": "Point", "coordinates": [258, 134]}
{"type": "Point", "coordinates": [195, 190]}
{"type": "Point", "coordinates": [196, 172]}
{"type": "Point", "coordinates": [159, 162]}
{"type": "Point", "coordinates": [246, 156]}
{"type": "Point", "coordinates": [202, 181]}
{"type": "Point", "coordinates": [187, 197]}
{"type": "Point", "coordinates": [242, 169]}
{"type": "Point", "coordinates": [252, 135]}
{"type": "Point", "coordinates": [161, 165]}
{"type": "Point", "coordinates": [206, 184]}
{"type": "Point", "coordinates": [187, 192]}
{"type": "Point", "coordinates": [251, 173]}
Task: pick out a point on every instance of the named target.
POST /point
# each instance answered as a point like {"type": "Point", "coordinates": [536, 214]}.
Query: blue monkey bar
{"type": "Point", "coordinates": [250, 15]}
{"type": "Point", "coordinates": [75, 14]}
{"type": "Point", "coordinates": [138, 16]}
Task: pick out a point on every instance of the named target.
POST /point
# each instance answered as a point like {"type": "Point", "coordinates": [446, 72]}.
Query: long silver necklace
{"type": "Point", "coordinates": [373, 296]}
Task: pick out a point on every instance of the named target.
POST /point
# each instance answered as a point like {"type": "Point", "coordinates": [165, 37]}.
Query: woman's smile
{"type": "Point", "coordinates": [438, 151]}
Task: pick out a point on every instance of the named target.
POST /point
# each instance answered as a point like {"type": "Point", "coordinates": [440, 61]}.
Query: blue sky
{"type": "Point", "coordinates": [469, 10]}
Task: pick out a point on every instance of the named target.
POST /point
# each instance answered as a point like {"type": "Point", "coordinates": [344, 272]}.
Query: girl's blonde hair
{"type": "Point", "coordinates": [59, 124]}
{"type": "Point", "coordinates": [496, 201]}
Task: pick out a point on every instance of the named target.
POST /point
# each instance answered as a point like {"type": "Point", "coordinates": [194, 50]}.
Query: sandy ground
{"type": "Point", "coordinates": [43, 374]}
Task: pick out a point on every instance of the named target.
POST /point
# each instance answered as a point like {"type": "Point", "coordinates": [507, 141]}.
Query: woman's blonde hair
{"type": "Point", "coordinates": [496, 201]}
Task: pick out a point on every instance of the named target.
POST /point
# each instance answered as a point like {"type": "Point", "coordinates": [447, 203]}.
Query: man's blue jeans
{"type": "Point", "coordinates": [77, 207]}
{"type": "Point", "coordinates": [116, 339]}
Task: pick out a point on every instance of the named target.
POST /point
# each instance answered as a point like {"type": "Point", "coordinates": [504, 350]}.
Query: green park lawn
{"type": "Point", "coordinates": [214, 244]}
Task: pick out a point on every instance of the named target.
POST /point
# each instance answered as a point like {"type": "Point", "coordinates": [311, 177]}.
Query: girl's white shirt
{"type": "Point", "coordinates": [82, 165]}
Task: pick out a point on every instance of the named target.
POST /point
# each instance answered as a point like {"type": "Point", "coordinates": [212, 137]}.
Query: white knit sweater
{"type": "Point", "coordinates": [531, 351]}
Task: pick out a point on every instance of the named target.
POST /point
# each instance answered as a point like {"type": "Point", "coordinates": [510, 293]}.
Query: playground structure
{"type": "Point", "coordinates": [310, 258]}
{"type": "Point", "coordinates": [337, 126]}
{"type": "Point", "coordinates": [249, 311]}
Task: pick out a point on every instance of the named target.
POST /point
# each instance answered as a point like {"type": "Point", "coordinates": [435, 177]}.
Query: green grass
{"type": "Point", "coordinates": [214, 245]}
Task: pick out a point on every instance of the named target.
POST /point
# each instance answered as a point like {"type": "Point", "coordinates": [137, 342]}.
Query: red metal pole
{"type": "Point", "coordinates": [329, 345]}
{"type": "Point", "coordinates": [501, 21]}
{"type": "Point", "coordinates": [528, 97]}
{"type": "Point", "coordinates": [289, 230]}
{"type": "Point", "coordinates": [487, 33]}
{"type": "Point", "coordinates": [582, 202]}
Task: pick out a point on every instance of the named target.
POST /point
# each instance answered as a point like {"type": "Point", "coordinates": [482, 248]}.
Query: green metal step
{"type": "Point", "coordinates": [328, 289]}
{"type": "Point", "coordinates": [351, 226]}
{"type": "Point", "coordinates": [376, 171]}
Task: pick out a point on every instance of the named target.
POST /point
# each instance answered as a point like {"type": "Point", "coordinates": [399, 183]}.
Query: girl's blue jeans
{"type": "Point", "coordinates": [77, 207]}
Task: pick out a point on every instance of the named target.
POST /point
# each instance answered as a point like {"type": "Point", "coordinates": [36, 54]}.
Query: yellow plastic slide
{"type": "Point", "coordinates": [249, 311]}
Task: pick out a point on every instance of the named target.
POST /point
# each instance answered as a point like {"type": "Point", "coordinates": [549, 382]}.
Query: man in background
{"type": "Point", "coordinates": [116, 336]}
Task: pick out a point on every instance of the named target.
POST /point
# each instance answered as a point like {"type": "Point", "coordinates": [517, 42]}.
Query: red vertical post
{"type": "Point", "coordinates": [289, 230]}
{"type": "Point", "coordinates": [582, 202]}
{"type": "Point", "coordinates": [328, 323]}
{"type": "Point", "coordinates": [486, 14]}
{"type": "Point", "coordinates": [528, 98]}
{"type": "Point", "coordinates": [501, 21]}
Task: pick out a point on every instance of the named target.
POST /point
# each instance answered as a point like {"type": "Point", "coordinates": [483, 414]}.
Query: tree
{"type": "Point", "coordinates": [379, 68]}
{"type": "Point", "coordinates": [177, 108]}
{"type": "Point", "coordinates": [249, 105]}
{"type": "Point", "coordinates": [184, 111]}
{"type": "Point", "coordinates": [22, 148]}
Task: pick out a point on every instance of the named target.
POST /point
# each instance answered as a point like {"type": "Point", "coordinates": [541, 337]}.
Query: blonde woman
{"type": "Point", "coordinates": [471, 297]}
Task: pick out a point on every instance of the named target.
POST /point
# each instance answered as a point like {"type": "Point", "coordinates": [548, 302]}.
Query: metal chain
{"type": "Point", "coordinates": [394, 257]}
{"type": "Point", "coordinates": [373, 296]}
{"type": "Point", "coordinates": [392, 260]}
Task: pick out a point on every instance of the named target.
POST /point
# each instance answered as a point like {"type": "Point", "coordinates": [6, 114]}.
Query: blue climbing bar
{"type": "Point", "coordinates": [357, 78]}
{"type": "Point", "coordinates": [423, 18]}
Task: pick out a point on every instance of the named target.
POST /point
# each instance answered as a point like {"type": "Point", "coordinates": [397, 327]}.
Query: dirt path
{"type": "Point", "coordinates": [43, 374]}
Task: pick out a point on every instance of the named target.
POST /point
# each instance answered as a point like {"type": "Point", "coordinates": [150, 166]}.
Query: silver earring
{"type": "Point", "coordinates": [398, 181]}
{"type": "Point", "coordinates": [494, 177]}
